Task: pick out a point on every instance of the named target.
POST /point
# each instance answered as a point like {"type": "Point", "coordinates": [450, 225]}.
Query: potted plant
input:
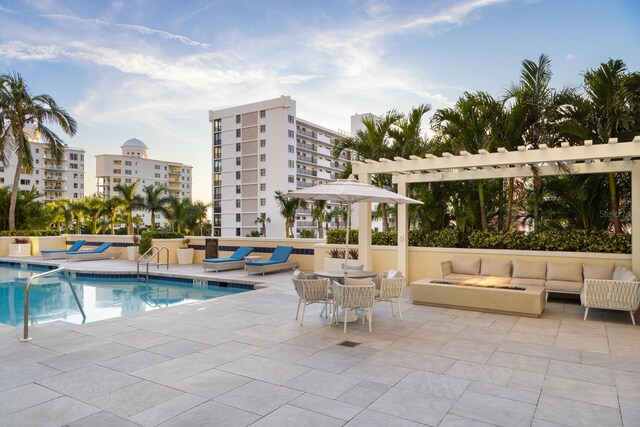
{"type": "Point", "coordinates": [336, 258]}
{"type": "Point", "coordinates": [20, 247]}
{"type": "Point", "coordinates": [132, 251]}
{"type": "Point", "coordinates": [185, 253]}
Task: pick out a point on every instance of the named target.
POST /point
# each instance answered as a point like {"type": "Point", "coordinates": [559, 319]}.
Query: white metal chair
{"type": "Point", "coordinates": [352, 297]}
{"type": "Point", "coordinates": [391, 291]}
{"type": "Point", "coordinates": [312, 291]}
{"type": "Point", "coordinates": [611, 295]}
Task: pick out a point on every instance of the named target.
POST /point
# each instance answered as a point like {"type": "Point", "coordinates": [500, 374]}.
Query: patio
{"type": "Point", "coordinates": [244, 360]}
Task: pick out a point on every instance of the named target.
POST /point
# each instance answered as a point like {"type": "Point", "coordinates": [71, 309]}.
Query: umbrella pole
{"type": "Point", "coordinates": [346, 245]}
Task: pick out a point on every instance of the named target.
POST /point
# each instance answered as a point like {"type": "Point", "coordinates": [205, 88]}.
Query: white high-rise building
{"type": "Point", "coordinates": [54, 182]}
{"type": "Point", "coordinates": [261, 148]}
{"type": "Point", "coordinates": [133, 165]}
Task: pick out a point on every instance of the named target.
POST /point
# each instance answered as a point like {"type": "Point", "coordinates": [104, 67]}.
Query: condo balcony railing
{"type": "Point", "coordinates": [307, 159]}
{"type": "Point", "coordinates": [55, 178]}
{"type": "Point", "coordinates": [305, 224]}
{"type": "Point", "coordinates": [302, 184]}
{"type": "Point", "coordinates": [307, 133]}
{"type": "Point", "coordinates": [55, 188]}
{"type": "Point", "coordinates": [308, 172]}
{"type": "Point", "coordinates": [54, 167]}
{"type": "Point", "coordinates": [306, 146]}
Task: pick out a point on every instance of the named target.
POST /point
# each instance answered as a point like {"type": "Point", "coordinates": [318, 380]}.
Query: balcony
{"type": "Point", "coordinates": [55, 178]}
{"type": "Point", "coordinates": [306, 146]}
{"type": "Point", "coordinates": [173, 169]}
{"type": "Point", "coordinates": [307, 159]}
{"type": "Point", "coordinates": [307, 172]}
{"type": "Point", "coordinates": [306, 224]}
{"type": "Point", "coordinates": [55, 188]}
{"type": "Point", "coordinates": [174, 177]}
{"type": "Point", "coordinates": [307, 133]}
{"type": "Point", "coordinates": [54, 167]}
{"type": "Point", "coordinates": [303, 184]}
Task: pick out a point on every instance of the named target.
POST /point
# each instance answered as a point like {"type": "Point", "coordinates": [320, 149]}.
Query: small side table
{"type": "Point", "coordinates": [251, 258]}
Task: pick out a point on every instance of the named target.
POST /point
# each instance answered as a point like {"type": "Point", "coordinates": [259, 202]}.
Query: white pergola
{"type": "Point", "coordinates": [585, 159]}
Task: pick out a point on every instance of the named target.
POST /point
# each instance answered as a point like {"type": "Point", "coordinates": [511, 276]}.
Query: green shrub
{"type": "Point", "coordinates": [148, 236]}
{"type": "Point", "coordinates": [337, 237]}
{"type": "Point", "coordinates": [307, 234]}
{"type": "Point", "coordinates": [31, 233]}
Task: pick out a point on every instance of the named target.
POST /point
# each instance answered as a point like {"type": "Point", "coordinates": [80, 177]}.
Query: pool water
{"type": "Point", "coordinates": [51, 299]}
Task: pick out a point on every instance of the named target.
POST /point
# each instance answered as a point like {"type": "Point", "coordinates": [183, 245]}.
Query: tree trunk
{"type": "Point", "coordinates": [15, 186]}
{"type": "Point", "coordinates": [320, 230]}
{"type": "Point", "coordinates": [613, 193]}
{"type": "Point", "coordinates": [501, 208]}
{"type": "Point", "coordinates": [153, 221]}
{"type": "Point", "coordinates": [385, 220]}
{"type": "Point", "coordinates": [483, 210]}
{"type": "Point", "coordinates": [509, 203]}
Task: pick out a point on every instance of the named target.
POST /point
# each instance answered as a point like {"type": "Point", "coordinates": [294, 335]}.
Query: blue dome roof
{"type": "Point", "coordinates": [134, 142]}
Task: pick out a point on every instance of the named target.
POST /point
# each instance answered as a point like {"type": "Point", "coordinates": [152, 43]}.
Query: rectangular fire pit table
{"type": "Point", "coordinates": [526, 301]}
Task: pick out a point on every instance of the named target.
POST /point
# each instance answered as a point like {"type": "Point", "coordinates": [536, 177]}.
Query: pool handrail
{"type": "Point", "coordinates": [25, 336]}
{"type": "Point", "coordinates": [148, 261]}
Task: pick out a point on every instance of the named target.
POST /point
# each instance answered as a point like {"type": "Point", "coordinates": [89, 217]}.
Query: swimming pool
{"type": "Point", "coordinates": [102, 296]}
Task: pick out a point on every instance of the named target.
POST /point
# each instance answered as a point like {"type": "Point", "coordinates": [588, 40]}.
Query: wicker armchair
{"type": "Point", "coordinates": [352, 297]}
{"type": "Point", "coordinates": [611, 295]}
{"type": "Point", "coordinates": [312, 291]}
{"type": "Point", "coordinates": [391, 290]}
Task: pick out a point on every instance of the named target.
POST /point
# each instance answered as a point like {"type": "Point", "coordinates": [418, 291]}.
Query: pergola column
{"type": "Point", "coordinates": [364, 228]}
{"type": "Point", "coordinates": [403, 232]}
{"type": "Point", "coordinates": [635, 220]}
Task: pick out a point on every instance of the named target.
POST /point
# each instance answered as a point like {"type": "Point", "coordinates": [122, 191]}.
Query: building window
{"type": "Point", "coordinates": [127, 172]}
{"type": "Point", "coordinates": [238, 161]}
{"type": "Point", "coordinates": [217, 165]}
{"type": "Point", "coordinates": [291, 179]}
{"type": "Point", "coordinates": [263, 143]}
{"type": "Point", "coordinates": [157, 175]}
{"type": "Point", "coordinates": [263, 157]}
{"type": "Point", "coordinates": [217, 179]}
{"type": "Point", "coordinates": [217, 153]}
{"type": "Point", "coordinates": [263, 114]}
{"type": "Point", "coordinates": [117, 162]}
{"type": "Point", "coordinates": [75, 185]}
{"type": "Point", "coordinates": [238, 118]}
{"type": "Point", "coordinates": [117, 171]}
{"type": "Point", "coordinates": [291, 164]}
{"type": "Point", "coordinates": [238, 174]}
{"type": "Point", "coordinates": [217, 206]}
{"type": "Point", "coordinates": [238, 146]}
{"type": "Point", "coordinates": [82, 157]}
{"type": "Point", "coordinates": [263, 202]}
{"type": "Point", "coordinates": [291, 148]}
{"type": "Point", "coordinates": [73, 165]}
{"type": "Point", "coordinates": [217, 193]}
{"type": "Point", "coordinates": [263, 172]}
{"type": "Point", "coordinates": [263, 187]}
{"type": "Point", "coordinates": [38, 150]}
{"type": "Point", "coordinates": [127, 163]}
{"type": "Point", "coordinates": [37, 161]}
{"type": "Point", "coordinates": [238, 218]}
{"type": "Point", "coordinates": [238, 189]}
{"type": "Point", "coordinates": [157, 167]}
{"type": "Point", "coordinates": [217, 125]}
{"type": "Point", "coordinates": [217, 139]}
{"type": "Point", "coordinates": [127, 180]}
{"type": "Point", "coordinates": [73, 156]}
{"type": "Point", "coordinates": [290, 118]}
{"type": "Point", "coordinates": [263, 128]}
{"type": "Point", "coordinates": [238, 133]}
{"type": "Point", "coordinates": [25, 182]}
{"type": "Point", "coordinates": [238, 203]}
{"type": "Point", "coordinates": [290, 133]}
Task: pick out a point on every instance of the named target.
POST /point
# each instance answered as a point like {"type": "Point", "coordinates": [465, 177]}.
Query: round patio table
{"type": "Point", "coordinates": [351, 274]}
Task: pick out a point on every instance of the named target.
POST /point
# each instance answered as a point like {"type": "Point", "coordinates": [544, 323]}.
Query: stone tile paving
{"type": "Point", "coordinates": [243, 360]}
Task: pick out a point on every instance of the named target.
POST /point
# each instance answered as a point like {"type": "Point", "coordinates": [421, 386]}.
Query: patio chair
{"type": "Point", "coordinates": [277, 262]}
{"type": "Point", "coordinates": [101, 252]}
{"type": "Point", "coordinates": [611, 295]}
{"type": "Point", "coordinates": [312, 291]}
{"type": "Point", "coordinates": [232, 262]}
{"type": "Point", "coordinates": [61, 253]}
{"type": "Point", "coordinates": [391, 286]}
{"type": "Point", "coordinates": [353, 295]}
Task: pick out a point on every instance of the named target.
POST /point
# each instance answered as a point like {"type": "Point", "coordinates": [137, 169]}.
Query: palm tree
{"type": "Point", "coordinates": [177, 210]}
{"type": "Point", "coordinates": [155, 201]}
{"type": "Point", "coordinates": [262, 219]}
{"type": "Point", "coordinates": [468, 126]}
{"type": "Point", "coordinates": [93, 207]}
{"type": "Point", "coordinates": [130, 201]}
{"type": "Point", "coordinates": [111, 210]}
{"type": "Point", "coordinates": [407, 134]}
{"type": "Point", "coordinates": [288, 208]}
{"type": "Point", "coordinates": [77, 211]}
{"type": "Point", "coordinates": [335, 214]}
{"type": "Point", "coordinates": [196, 214]}
{"type": "Point", "coordinates": [318, 211]}
{"type": "Point", "coordinates": [19, 110]}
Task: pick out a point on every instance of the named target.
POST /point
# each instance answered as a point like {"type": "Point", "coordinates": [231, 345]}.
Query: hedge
{"type": "Point", "coordinates": [551, 240]}
{"type": "Point", "coordinates": [31, 233]}
{"type": "Point", "coordinates": [148, 236]}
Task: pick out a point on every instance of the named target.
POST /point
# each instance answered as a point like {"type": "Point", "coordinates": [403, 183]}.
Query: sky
{"type": "Point", "coordinates": [152, 69]}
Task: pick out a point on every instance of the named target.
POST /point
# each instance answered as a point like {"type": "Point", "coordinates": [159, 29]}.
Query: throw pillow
{"type": "Point", "coordinates": [393, 273]}
{"type": "Point", "coordinates": [623, 273]}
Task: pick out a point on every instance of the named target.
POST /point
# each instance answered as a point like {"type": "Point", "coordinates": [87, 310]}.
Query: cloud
{"type": "Point", "coordinates": [139, 28]}
{"type": "Point", "coordinates": [570, 56]}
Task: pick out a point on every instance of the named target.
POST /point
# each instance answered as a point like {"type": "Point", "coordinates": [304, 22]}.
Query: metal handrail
{"type": "Point", "coordinates": [148, 261]}
{"type": "Point", "coordinates": [25, 336]}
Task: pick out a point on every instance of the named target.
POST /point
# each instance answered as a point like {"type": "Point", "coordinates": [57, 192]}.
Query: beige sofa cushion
{"type": "Point", "coordinates": [569, 272]}
{"type": "Point", "coordinates": [563, 286]}
{"type": "Point", "coordinates": [465, 265]}
{"type": "Point", "coordinates": [495, 267]}
{"type": "Point", "coordinates": [455, 276]}
{"type": "Point", "coordinates": [526, 282]}
{"type": "Point", "coordinates": [529, 269]}
{"type": "Point", "coordinates": [598, 271]}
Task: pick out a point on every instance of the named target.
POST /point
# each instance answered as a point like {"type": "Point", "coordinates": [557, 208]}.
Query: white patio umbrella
{"type": "Point", "coordinates": [350, 191]}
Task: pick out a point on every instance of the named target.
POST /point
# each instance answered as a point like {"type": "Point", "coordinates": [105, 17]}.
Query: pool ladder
{"type": "Point", "coordinates": [25, 336]}
{"type": "Point", "coordinates": [155, 254]}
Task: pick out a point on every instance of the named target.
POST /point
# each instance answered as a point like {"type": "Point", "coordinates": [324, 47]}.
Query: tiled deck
{"type": "Point", "coordinates": [243, 360]}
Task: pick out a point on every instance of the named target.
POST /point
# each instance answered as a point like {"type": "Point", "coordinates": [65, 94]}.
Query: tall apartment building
{"type": "Point", "coordinates": [54, 182]}
{"type": "Point", "coordinates": [133, 165]}
{"type": "Point", "coordinates": [261, 148]}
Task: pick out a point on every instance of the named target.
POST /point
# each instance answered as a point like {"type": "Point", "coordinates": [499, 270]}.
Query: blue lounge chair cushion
{"type": "Point", "coordinates": [279, 255]}
{"type": "Point", "coordinates": [238, 255]}
{"type": "Point", "coordinates": [103, 247]}
{"type": "Point", "coordinates": [77, 245]}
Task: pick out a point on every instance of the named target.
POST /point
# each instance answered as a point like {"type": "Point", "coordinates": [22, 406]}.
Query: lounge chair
{"type": "Point", "coordinates": [234, 261]}
{"type": "Point", "coordinates": [100, 252]}
{"type": "Point", "coordinates": [61, 253]}
{"type": "Point", "coordinates": [277, 262]}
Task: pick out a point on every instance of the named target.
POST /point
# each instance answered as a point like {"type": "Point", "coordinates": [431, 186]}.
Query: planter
{"type": "Point", "coordinates": [336, 263]}
{"type": "Point", "coordinates": [20, 249]}
{"type": "Point", "coordinates": [185, 256]}
{"type": "Point", "coordinates": [132, 253]}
